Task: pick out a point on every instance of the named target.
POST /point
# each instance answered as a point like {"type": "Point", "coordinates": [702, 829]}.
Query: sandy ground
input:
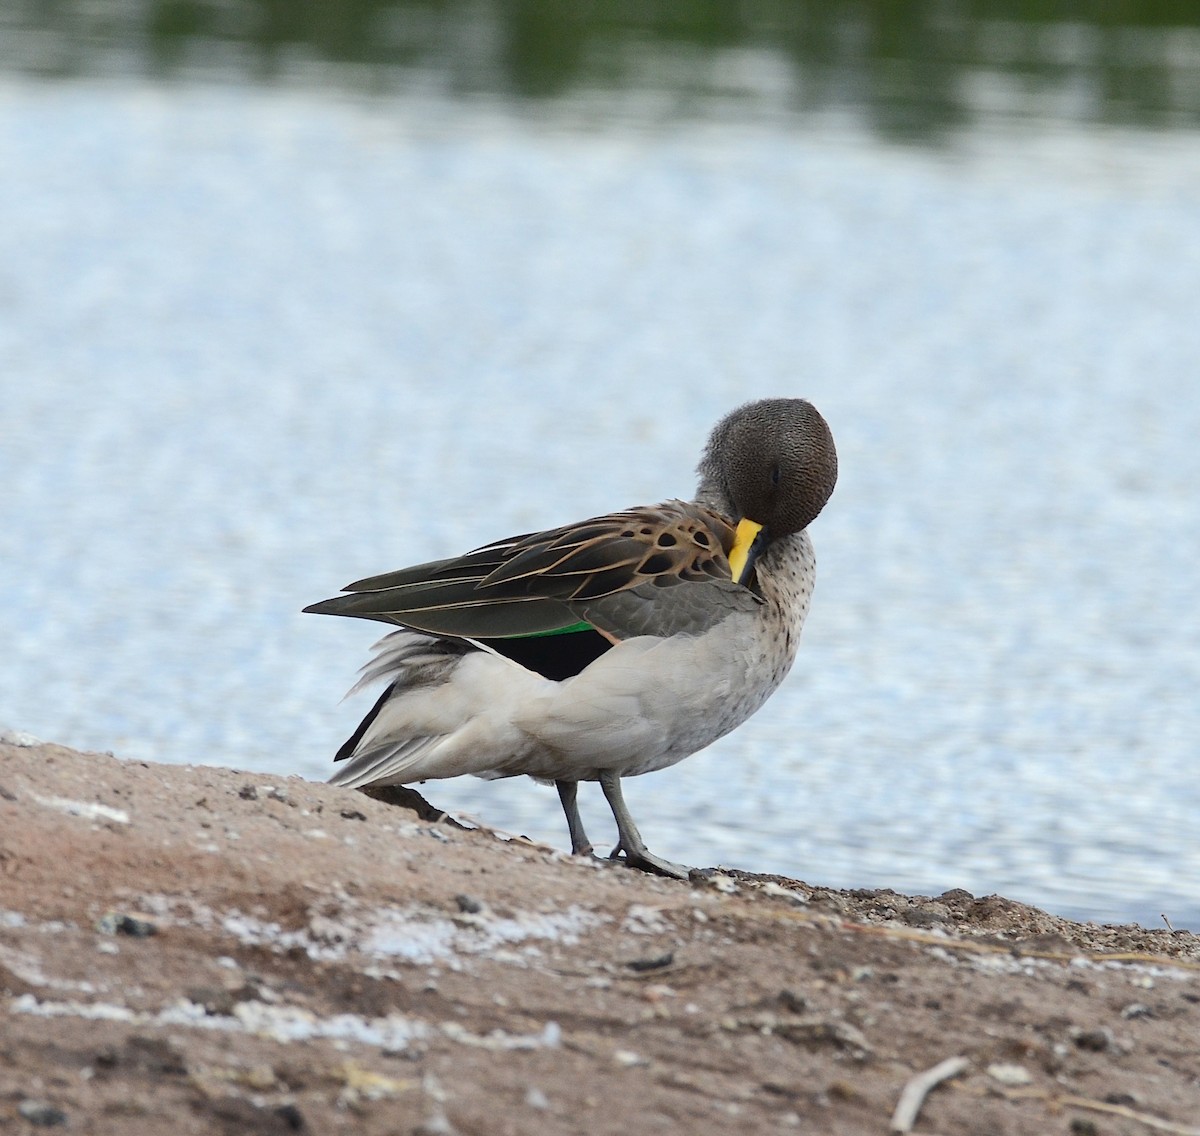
{"type": "Point", "coordinates": [198, 950]}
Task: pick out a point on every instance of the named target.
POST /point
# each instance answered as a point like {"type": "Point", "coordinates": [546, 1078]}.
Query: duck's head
{"type": "Point", "coordinates": [772, 463]}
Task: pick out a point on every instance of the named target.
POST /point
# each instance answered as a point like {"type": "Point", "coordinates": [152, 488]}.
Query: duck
{"type": "Point", "coordinates": [604, 649]}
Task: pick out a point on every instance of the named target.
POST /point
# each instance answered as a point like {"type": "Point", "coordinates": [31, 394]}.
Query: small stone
{"type": "Point", "coordinates": [468, 904]}
{"type": "Point", "coordinates": [291, 1118]}
{"type": "Point", "coordinates": [715, 879]}
{"type": "Point", "coordinates": [41, 1114]}
{"type": "Point", "coordinates": [1095, 1040]}
{"type": "Point", "coordinates": [118, 923]}
{"type": "Point", "coordinates": [792, 1001]}
{"type": "Point", "coordinates": [627, 1059]}
{"type": "Point", "coordinates": [1081, 1126]}
{"type": "Point", "coordinates": [1137, 1010]}
{"type": "Point", "coordinates": [1128, 1100]}
{"type": "Point", "coordinates": [248, 793]}
{"type": "Point", "coordinates": [216, 1000]}
{"type": "Point", "coordinates": [535, 1098]}
{"type": "Point", "coordinates": [656, 963]}
{"type": "Point", "coordinates": [778, 891]}
{"type": "Point", "coordinates": [353, 814]}
{"type": "Point", "coordinates": [956, 895]}
{"type": "Point", "coordinates": [261, 1077]}
{"type": "Point", "coordinates": [1011, 1075]}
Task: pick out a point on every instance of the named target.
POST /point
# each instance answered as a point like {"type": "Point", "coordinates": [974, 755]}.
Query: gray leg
{"type": "Point", "coordinates": [580, 844]}
{"type": "Point", "coordinates": [637, 855]}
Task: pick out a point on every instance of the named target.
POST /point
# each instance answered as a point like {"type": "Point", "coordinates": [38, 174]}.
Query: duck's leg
{"type": "Point", "coordinates": [637, 855]}
{"type": "Point", "coordinates": [580, 844]}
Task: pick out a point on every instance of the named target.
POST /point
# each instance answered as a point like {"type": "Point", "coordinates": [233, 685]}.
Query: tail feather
{"type": "Point", "coordinates": [383, 764]}
{"type": "Point", "coordinates": [347, 748]}
{"type": "Point", "coordinates": [408, 659]}
{"type": "Point", "coordinates": [444, 713]}
{"type": "Point", "coordinates": [411, 658]}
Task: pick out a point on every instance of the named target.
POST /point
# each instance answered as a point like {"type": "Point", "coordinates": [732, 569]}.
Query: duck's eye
{"type": "Point", "coordinates": [775, 475]}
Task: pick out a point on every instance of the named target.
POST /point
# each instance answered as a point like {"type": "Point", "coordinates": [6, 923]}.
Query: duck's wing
{"type": "Point", "coordinates": [658, 570]}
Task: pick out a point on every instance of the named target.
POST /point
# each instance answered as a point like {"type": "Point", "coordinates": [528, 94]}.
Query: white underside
{"type": "Point", "coordinates": [643, 705]}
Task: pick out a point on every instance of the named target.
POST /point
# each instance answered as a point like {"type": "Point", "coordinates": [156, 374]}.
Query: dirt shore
{"type": "Point", "coordinates": [199, 950]}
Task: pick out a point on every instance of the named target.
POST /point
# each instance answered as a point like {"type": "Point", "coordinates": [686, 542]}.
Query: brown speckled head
{"type": "Point", "coordinates": [772, 461]}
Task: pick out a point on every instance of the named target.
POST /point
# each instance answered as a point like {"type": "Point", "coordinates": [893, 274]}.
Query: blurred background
{"type": "Point", "coordinates": [293, 293]}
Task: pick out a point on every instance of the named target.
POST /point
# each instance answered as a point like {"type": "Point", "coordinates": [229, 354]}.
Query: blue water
{"type": "Point", "coordinates": [255, 344]}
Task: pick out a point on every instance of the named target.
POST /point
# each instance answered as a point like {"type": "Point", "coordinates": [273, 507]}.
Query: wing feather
{"type": "Point", "coordinates": [543, 582]}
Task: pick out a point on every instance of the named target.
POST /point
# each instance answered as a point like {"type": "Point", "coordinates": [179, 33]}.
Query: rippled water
{"type": "Point", "coordinates": [255, 343]}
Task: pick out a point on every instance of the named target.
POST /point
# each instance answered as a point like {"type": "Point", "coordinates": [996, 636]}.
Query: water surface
{"type": "Point", "coordinates": [261, 338]}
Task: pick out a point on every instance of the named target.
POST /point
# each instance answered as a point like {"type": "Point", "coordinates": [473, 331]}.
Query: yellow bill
{"type": "Point", "coordinates": [743, 541]}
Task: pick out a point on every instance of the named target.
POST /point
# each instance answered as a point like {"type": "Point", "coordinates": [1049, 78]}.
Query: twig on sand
{"type": "Point", "coordinates": [1068, 1100]}
{"type": "Point", "coordinates": [917, 1089]}
{"type": "Point", "coordinates": [1150, 1121]}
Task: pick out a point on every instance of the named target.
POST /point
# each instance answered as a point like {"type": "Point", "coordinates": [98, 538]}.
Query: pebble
{"type": "Point", "coordinates": [726, 885]}
{"type": "Point", "coordinates": [535, 1098]}
{"type": "Point", "coordinates": [1137, 1010]}
{"type": "Point", "coordinates": [41, 1114]}
{"type": "Point", "coordinates": [118, 923]}
{"type": "Point", "coordinates": [656, 963]}
{"type": "Point", "coordinates": [1011, 1075]}
{"type": "Point", "coordinates": [778, 891]}
{"type": "Point", "coordinates": [1094, 1040]}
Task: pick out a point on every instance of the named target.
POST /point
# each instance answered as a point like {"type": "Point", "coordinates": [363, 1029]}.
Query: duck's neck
{"type": "Point", "coordinates": [710, 495]}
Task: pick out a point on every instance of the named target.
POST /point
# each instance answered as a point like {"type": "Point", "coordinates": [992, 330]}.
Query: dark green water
{"type": "Point", "coordinates": [911, 71]}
